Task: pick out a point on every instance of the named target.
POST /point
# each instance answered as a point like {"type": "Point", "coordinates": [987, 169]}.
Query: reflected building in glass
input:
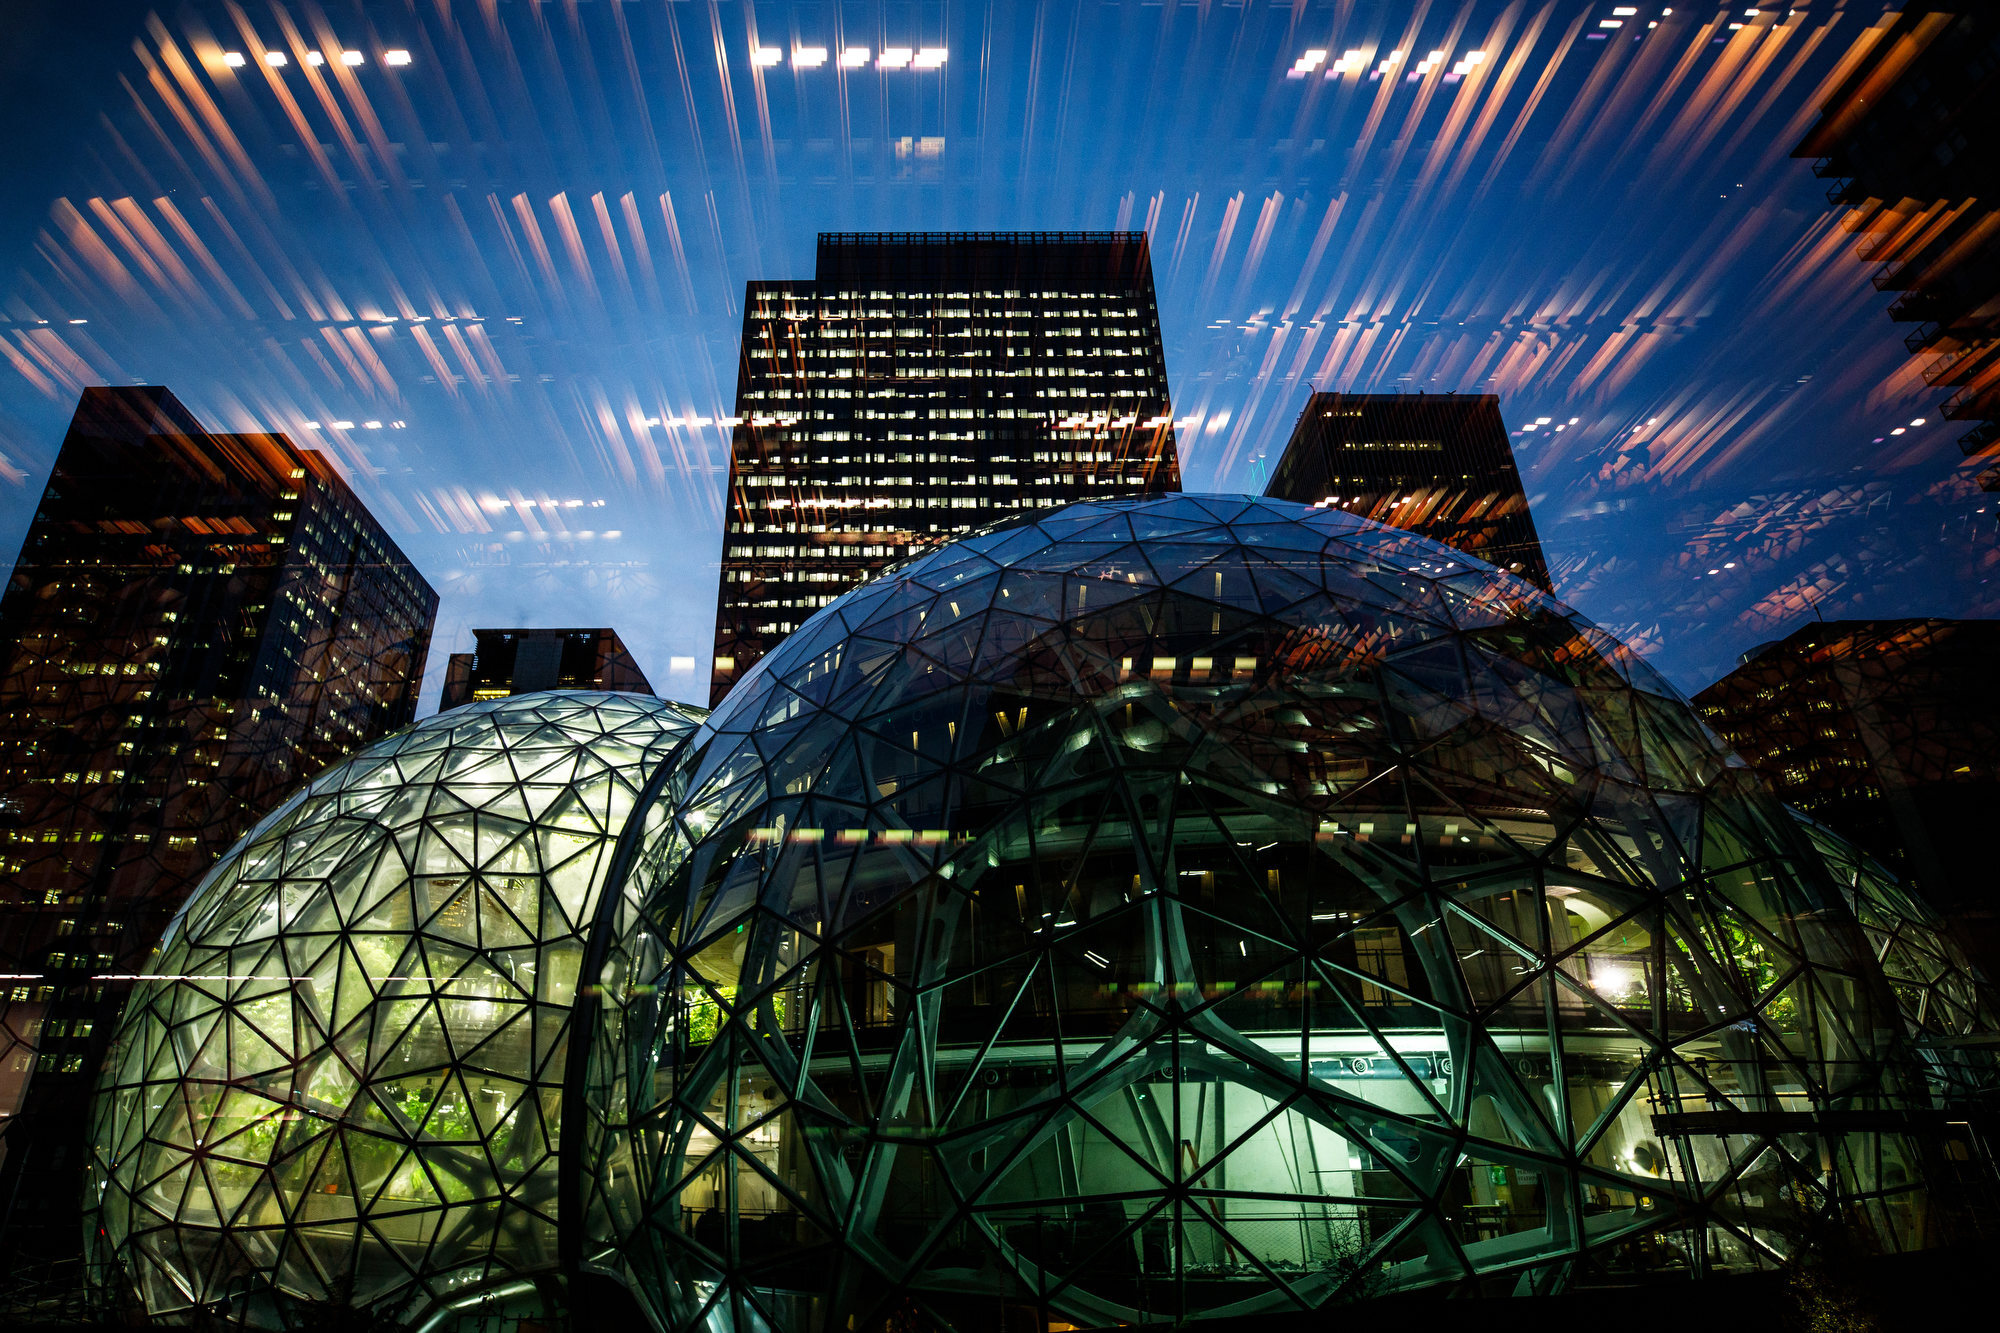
{"type": "Point", "coordinates": [506, 662]}
{"type": "Point", "coordinates": [1886, 731]}
{"type": "Point", "coordinates": [921, 384]}
{"type": "Point", "coordinates": [1436, 464]}
{"type": "Point", "coordinates": [197, 623]}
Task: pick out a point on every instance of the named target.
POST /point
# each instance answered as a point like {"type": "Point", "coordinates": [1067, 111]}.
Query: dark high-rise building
{"type": "Point", "coordinates": [1886, 731]}
{"type": "Point", "coordinates": [196, 623]}
{"type": "Point", "coordinates": [1909, 138]}
{"type": "Point", "coordinates": [1438, 464]}
{"type": "Point", "coordinates": [922, 384]}
{"type": "Point", "coordinates": [505, 662]}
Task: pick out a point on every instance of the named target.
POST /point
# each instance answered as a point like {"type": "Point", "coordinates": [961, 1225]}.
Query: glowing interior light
{"type": "Point", "coordinates": [1543, 421]}
{"type": "Point", "coordinates": [351, 58]}
{"type": "Point", "coordinates": [1919, 421]}
{"type": "Point", "coordinates": [276, 59]}
{"type": "Point", "coordinates": [1624, 11]}
{"type": "Point", "coordinates": [371, 425]}
{"type": "Point", "coordinates": [233, 59]}
{"type": "Point", "coordinates": [1313, 59]}
{"type": "Point", "coordinates": [766, 56]}
{"type": "Point", "coordinates": [1897, 431]}
{"type": "Point", "coordinates": [1611, 23]}
{"type": "Point", "coordinates": [395, 57]}
{"type": "Point", "coordinates": [854, 57]}
{"type": "Point", "coordinates": [809, 57]}
{"type": "Point", "coordinates": [930, 57]}
{"type": "Point", "coordinates": [343, 425]}
{"type": "Point", "coordinates": [893, 57]}
{"type": "Point", "coordinates": [315, 58]}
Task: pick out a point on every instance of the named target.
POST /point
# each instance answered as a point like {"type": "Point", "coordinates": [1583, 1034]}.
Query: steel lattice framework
{"type": "Point", "coordinates": [1947, 1006]}
{"type": "Point", "coordinates": [343, 1083]}
{"type": "Point", "coordinates": [1206, 905]}
{"type": "Point", "coordinates": [1159, 910]}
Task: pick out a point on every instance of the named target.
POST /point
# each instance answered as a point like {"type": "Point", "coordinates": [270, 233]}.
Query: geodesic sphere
{"type": "Point", "coordinates": [1203, 905]}
{"type": "Point", "coordinates": [1945, 1002]}
{"type": "Point", "coordinates": [343, 1086]}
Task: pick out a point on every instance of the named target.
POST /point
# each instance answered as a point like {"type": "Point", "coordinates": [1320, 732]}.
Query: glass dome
{"type": "Point", "coordinates": [1207, 906]}
{"type": "Point", "coordinates": [1947, 1006]}
{"type": "Point", "coordinates": [344, 1084]}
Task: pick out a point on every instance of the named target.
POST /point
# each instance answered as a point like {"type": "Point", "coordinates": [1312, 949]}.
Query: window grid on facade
{"type": "Point", "coordinates": [922, 385]}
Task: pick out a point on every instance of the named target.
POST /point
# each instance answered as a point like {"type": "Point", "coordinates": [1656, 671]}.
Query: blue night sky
{"type": "Point", "coordinates": [523, 254]}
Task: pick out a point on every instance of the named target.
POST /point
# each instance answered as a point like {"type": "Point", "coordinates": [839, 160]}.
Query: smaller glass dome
{"type": "Point", "coordinates": [343, 1084]}
{"type": "Point", "coordinates": [1949, 1008]}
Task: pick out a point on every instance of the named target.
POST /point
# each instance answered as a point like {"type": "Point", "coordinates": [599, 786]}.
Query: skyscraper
{"type": "Point", "coordinates": [505, 662]}
{"type": "Point", "coordinates": [921, 384]}
{"type": "Point", "coordinates": [1886, 731]}
{"type": "Point", "coordinates": [1438, 464]}
{"type": "Point", "coordinates": [196, 623]}
{"type": "Point", "coordinates": [1906, 136]}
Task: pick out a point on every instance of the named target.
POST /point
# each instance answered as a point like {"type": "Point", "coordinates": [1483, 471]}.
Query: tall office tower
{"type": "Point", "coordinates": [1909, 138]}
{"type": "Point", "coordinates": [1438, 464]}
{"type": "Point", "coordinates": [1887, 732]}
{"type": "Point", "coordinates": [922, 384]}
{"type": "Point", "coordinates": [504, 662]}
{"type": "Point", "coordinates": [196, 623]}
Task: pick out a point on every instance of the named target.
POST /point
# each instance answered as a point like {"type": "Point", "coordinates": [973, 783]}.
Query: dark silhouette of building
{"type": "Point", "coordinates": [505, 662]}
{"type": "Point", "coordinates": [1911, 142]}
{"type": "Point", "coordinates": [196, 623]}
{"type": "Point", "coordinates": [1887, 732]}
{"type": "Point", "coordinates": [1438, 464]}
{"type": "Point", "coordinates": [922, 384]}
